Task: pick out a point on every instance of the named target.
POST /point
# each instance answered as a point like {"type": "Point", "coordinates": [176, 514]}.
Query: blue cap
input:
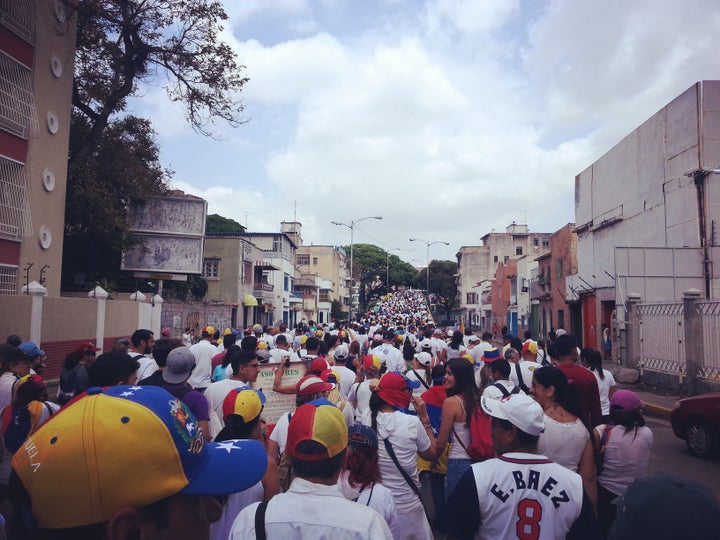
{"type": "Point", "coordinates": [28, 348]}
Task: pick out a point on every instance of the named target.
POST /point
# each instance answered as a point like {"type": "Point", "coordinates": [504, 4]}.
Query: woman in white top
{"type": "Point", "coordinates": [360, 481]}
{"type": "Point", "coordinates": [592, 359]}
{"type": "Point", "coordinates": [407, 437]}
{"type": "Point", "coordinates": [463, 399]}
{"type": "Point", "coordinates": [566, 440]}
{"type": "Point", "coordinates": [626, 453]}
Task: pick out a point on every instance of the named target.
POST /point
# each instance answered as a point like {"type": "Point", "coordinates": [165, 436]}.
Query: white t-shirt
{"type": "Point", "coordinates": [391, 357]}
{"type": "Point", "coordinates": [563, 442]}
{"type": "Point", "coordinates": [360, 393]}
{"type": "Point", "coordinates": [377, 497]}
{"type": "Point", "coordinates": [280, 432]}
{"type": "Point", "coordinates": [604, 386]}
{"type": "Point", "coordinates": [626, 457]}
{"type": "Point", "coordinates": [276, 356]}
{"type": "Point", "coordinates": [203, 351]}
{"type": "Point", "coordinates": [347, 378]}
{"type": "Point", "coordinates": [148, 366]}
{"type": "Point", "coordinates": [234, 505]}
{"type": "Point", "coordinates": [493, 392]}
{"type": "Point", "coordinates": [526, 370]}
{"type": "Point", "coordinates": [408, 437]}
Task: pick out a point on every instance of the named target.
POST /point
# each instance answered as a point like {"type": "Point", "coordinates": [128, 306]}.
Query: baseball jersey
{"type": "Point", "coordinates": [523, 496]}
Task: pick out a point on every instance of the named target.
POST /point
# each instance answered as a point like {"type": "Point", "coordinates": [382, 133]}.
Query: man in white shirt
{"type": "Point", "coordinates": [521, 371]}
{"type": "Point", "coordinates": [347, 375]}
{"type": "Point", "coordinates": [245, 367]}
{"type": "Point", "coordinates": [282, 351]}
{"type": "Point", "coordinates": [314, 506]}
{"type": "Point", "coordinates": [391, 357]}
{"type": "Point", "coordinates": [142, 343]}
{"type": "Point", "coordinates": [203, 351]}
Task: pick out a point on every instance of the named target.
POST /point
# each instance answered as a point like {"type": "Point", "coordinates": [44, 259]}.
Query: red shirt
{"type": "Point", "coordinates": [585, 382]}
{"type": "Point", "coordinates": [218, 359]}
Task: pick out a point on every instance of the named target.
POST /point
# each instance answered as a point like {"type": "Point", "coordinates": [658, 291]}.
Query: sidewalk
{"type": "Point", "coordinates": [658, 401]}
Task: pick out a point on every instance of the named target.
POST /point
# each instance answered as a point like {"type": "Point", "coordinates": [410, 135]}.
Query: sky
{"type": "Point", "coordinates": [450, 119]}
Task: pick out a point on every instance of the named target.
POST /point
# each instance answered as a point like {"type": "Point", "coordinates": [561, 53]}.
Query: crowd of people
{"type": "Point", "coordinates": [399, 430]}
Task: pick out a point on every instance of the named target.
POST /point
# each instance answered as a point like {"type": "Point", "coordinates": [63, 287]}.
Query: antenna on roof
{"type": "Point", "coordinates": [525, 213]}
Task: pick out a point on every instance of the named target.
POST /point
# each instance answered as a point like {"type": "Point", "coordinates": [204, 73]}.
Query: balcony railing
{"type": "Point", "coordinates": [264, 287]}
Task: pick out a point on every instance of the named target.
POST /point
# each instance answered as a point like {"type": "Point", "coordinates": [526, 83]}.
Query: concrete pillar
{"type": "Point", "coordinates": [632, 327]}
{"type": "Point", "coordinates": [101, 295]}
{"type": "Point", "coordinates": [693, 338]}
{"type": "Point", "coordinates": [156, 315]}
{"type": "Point", "coordinates": [37, 292]}
{"type": "Point", "coordinates": [142, 318]}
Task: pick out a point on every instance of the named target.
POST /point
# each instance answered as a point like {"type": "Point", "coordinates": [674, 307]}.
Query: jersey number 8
{"type": "Point", "coordinates": [529, 514]}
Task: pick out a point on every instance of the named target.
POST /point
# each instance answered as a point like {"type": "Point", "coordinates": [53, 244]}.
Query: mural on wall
{"type": "Point", "coordinates": [172, 231]}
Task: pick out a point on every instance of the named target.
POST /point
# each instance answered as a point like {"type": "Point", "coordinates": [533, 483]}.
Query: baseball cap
{"type": "Point", "coordinates": [318, 365]}
{"type": "Point", "coordinates": [318, 421]}
{"type": "Point", "coordinates": [209, 330]}
{"type": "Point", "coordinates": [329, 376]}
{"type": "Point", "coordinates": [520, 410]}
{"type": "Point", "coordinates": [424, 358]}
{"type": "Point", "coordinates": [257, 328]}
{"type": "Point", "coordinates": [362, 435]}
{"type": "Point", "coordinates": [625, 401]}
{"type": "Point", "coordinates": [490, 355]}
{"type": "Point", "coordinates": [57, 464]}
{"type": "Point", "coordinates": [341, 352]}
{"type": "Point", "coordinates": [371, 361]}
{"type": "Point", "coordinates": [28, 348]}
{"type": "Point", "coordinates": [86, 348]}
{"type": "Point", "coordinates": [180, 363]}
{"type": "Point", "coordinates": [377, 337]}
{"type": "Point", "coordinates": [529, 346]}
{"type": "Point", "coordinates": [665, 507]}
{"type": "Point", "coordinates": [426, 344]}
{"type": "Point", "coordinates": [244, 402]}
{"type": "Point", "coordinates": [312, 384]}
{"type": "Point", "coordinates": [396, 381]}
{"type": "Point", "coordinates": [473, 339]}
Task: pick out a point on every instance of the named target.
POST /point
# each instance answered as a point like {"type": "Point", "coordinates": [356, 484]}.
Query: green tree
{"type": "Point", "coordinates": [123, 167]}
{"type": "Point", "coordinates": [123, 44]}
{"type": "Point", "coordinates": [442, 284]}
{"type": "Point", "coordinates": [338, 311]}
{"type": "Point", "coordinates": [370, 266]}
{"type": "Point", "coordinates": [195, 288]}
{"type": "Point", "coordinates": [215, 224]}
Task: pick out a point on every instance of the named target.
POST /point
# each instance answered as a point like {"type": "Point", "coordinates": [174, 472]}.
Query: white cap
{"type": "Point", "coordinates": [424, 358]}
{"type": "Point", "coordinates": [520, 410]}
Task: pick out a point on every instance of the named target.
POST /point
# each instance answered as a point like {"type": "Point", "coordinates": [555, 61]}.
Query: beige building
{"type": "Point", "coordinates": [37, 39]}
{"type": "Point", "coordinates": [329, 263]}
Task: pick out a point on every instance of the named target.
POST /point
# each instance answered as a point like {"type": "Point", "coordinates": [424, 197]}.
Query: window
{"type": "Point", "coordinates": [211, 268]}
{"type": "Point", "coordinates": [558, 268]}
{"type": "Point", "coordinates": [247, 276]}
{"type": "Point", "coordinates": [506, 258]}
{"type": "Point", "coordinates": [325, 296]}
{"type": "Point", "coordinates": [303, 259]}
{"type": "Point", "coordinates": [545, 242]}
{"type": "Point", "coordinates": [314, 261]}
{"type": "Point", "coordinates": [286, 283]}
{"type": "Point", "coordinates": [472, 298]}
{"type": "Point", "coordinates": [518, 250]}
{"type": "Point", "coordinates": [561, 318]}
{"type": "Point", "coordinates": [277, 244]}
{"type": "Point", "coordinates": [495, 258]}
{"type": "Point", "coordinates": [536, 241]}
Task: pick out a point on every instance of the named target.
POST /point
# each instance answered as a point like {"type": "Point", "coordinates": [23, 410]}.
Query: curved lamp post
{"type": "Point", "coordinates": [351, 226]}
{"type": "Point", "coordinates": [427, 268]}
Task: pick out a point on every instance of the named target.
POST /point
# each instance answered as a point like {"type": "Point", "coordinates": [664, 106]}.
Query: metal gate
{"type": "Point", "coordinates": [662, 339]}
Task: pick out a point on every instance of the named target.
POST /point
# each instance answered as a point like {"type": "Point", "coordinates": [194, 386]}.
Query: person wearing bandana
{"type": "Point", "coordinates": [406, 436]}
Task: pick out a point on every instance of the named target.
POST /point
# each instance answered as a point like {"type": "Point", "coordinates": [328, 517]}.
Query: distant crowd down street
{"type": "Point", "coordinates": [381, 427]}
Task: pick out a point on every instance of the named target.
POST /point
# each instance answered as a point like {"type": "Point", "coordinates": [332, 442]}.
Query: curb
{"type": "Point", "coordinates": [657, 410]}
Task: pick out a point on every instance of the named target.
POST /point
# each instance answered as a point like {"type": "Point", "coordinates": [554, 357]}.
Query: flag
{"type": "Point", "coordinates": [462, 324]}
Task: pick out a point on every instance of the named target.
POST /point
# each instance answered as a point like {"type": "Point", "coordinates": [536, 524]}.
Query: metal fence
{"type": "Point", "coordinates": [710, 320]}
{"type": "Point", "coordinates": [662, 338]}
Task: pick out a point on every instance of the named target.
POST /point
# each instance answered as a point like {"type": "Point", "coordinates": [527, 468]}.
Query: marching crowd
{"type": "Point", "coordinates": [400, 430]}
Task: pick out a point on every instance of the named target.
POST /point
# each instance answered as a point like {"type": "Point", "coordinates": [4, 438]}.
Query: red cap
{"type": "Point", "coordinates": [86, 348]}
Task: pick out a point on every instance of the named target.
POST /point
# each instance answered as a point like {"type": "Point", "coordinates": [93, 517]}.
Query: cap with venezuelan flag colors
{"type": "Point", "coordinates": [245, 402]}
{"type": "Point", "coordinates": [320, 421]}
{"type": "Point", "coordinates": [86, 452]}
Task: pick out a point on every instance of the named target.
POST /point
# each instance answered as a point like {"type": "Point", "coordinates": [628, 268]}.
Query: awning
{"type": "Point", "coordinates": [250, 300]}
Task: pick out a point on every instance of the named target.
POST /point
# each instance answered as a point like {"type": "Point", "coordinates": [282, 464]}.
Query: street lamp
{"type": "Point", "coordinates": [351, 226]}
{"type": "Point", "coordinates": [427, 268]}
{"type": "Point", "coordinates": [387, 267]}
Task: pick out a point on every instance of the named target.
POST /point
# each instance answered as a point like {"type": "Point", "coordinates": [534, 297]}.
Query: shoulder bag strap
{"type": "Point", "coordinates": [403, 472]}
{"type": "Point", "coordinates": [457, 438]}
{"type": "Point", "coordinates": [521, 383]}
{"type": "Point", "coordinates": [502, 389]}
{"type": "Point", "coordinates": [605, 437]}
{"type": "Point", "coordinates": [421, 380]}
{"type": "Point", "coordinates": [260, 533]}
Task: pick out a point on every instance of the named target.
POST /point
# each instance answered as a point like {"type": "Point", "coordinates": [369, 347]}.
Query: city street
{"type": "Point", "coordinates": [670, 455]}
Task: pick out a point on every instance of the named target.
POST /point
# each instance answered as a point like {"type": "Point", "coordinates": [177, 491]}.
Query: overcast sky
{"type": "Point", "coordinates": [448, 118]}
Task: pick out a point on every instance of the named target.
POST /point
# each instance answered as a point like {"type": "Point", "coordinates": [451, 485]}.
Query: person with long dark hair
{"type": "Point", "coordinates": [592, 359]}
{"type": "Point", "coordinates": [404, 436]}
{"type": "Point", "coordinates": [566, 440]}
{"type": "Point", "coordinates": [74, 376]}
{"type": "Point", "coordinates": [626, 443]}
{"type": "Point", "coordinates": [456, 348]}
{"type": "Point", "coordinates": [463, 399]}
{"type": "Point", "coordinates": [361, 480]}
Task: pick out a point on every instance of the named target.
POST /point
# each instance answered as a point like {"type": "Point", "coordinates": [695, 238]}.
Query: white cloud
{"type": "Point", "coordinates": [448, 119]}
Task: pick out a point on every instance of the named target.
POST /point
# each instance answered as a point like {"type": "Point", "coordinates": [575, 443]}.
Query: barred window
{"type": "Point", "coordinates": [303, 259]}
{"type": "Point", "coordinates": [17, 107]}
{"type": "Point", "coordinates": [211, 268]}
{"type": "Point", "coordinates": [8, 279]}
{"type": "Point", "coordinates": [15, 221]}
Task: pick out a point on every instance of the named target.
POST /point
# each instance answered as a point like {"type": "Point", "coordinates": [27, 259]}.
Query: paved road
{"type": "Point", "coordinates": [670, 455]}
